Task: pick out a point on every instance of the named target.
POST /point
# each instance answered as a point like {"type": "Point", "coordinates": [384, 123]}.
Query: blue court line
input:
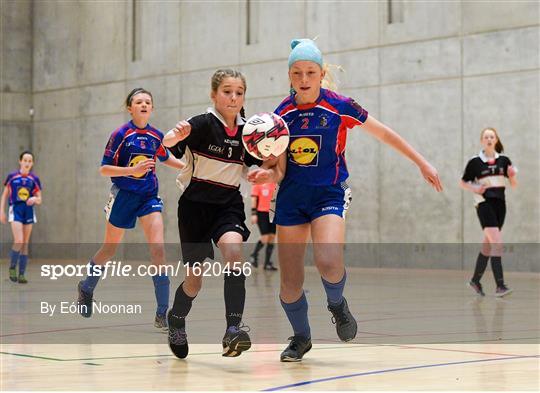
{"type": "Point", "coordinates": [390, 370]}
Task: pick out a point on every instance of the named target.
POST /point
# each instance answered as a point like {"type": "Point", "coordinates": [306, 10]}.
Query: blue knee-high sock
{"type": "Point", "coordinates": [23, 261]}
{"type": "Point", "coordinates": [161, 289]}
{"type": "Point", "coordinates": [297, 313]}
{"type": "Point", "coordinates": [334, 291]}
{"type": "Point", "coordinates": [93, 277]}
{"type": "Point", "coordinates": [14, 257]}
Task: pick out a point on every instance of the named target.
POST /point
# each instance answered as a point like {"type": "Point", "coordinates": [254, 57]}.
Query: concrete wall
{"type": "Point", "coordinates": [438, 77]}
{"type": "Point", "coordinates": [15, 87]}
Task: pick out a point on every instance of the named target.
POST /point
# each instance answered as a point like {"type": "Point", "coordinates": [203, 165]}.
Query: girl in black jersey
{"type": "Point", "coordinates": [211, 207]}
{"type": "Point", "coordinates": [485, 176]}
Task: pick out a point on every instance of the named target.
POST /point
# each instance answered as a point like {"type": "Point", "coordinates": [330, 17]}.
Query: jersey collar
{"type": "Point", "coordinates": [486, 159]}
{"type": "Point", "coordinates": [134, 127]}
{"type": "Point", "coordinates": [239, 120]}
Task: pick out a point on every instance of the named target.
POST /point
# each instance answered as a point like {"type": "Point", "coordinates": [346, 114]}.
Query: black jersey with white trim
{"type": "Point", "coordinates": [218, 159]}
{"type": "Point", "coordinates": [491, 172]}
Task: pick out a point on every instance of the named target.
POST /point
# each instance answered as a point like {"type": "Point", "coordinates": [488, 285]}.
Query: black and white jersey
{"type": "Point", "coordinates": [218, 158]}
{"type": "Point", "coordinates": [491, 172]}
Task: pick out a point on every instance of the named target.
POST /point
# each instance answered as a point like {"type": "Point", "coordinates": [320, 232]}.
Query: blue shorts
{"type": "Point", "coordinates": [299, 203]}
{"type": "Point", "coordinates": [21, 212]}
{"type": "Point", "coordinates": [124, 207]}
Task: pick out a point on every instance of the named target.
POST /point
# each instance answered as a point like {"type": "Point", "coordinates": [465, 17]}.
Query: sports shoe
{"type": "Point", "coordinates": [177, 338]}
{"type": "Point", "coordinates": [13, 274]}
{"type": "Point", "coordinates": [236, 341]}
{"type": "Point", "coordinates": [346, 326]}
{"type": "Point", "coordinates": [161, 322]}
{"type": "Point", "coordinates": [254, 261]}
{"type": "Point", "coordinates": [85, 302]}
{"type": "Point", "coordinates": [477, 288]}
{"type": "Point", "coordinates": [296, 349]}
{"type": "Point", "coordinates": [270, 266]}
{"type": "Point", "coordinates": [22, 279]}
{"type": "Point", "coordinates": [503, 290]}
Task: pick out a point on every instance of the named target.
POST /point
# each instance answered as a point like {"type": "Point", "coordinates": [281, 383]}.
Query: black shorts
{"type": "Point", "coordinates": [201, 223]}
{"type": "Point", "coordinates": [265, 226]}
{"type": "Point", "coordinates": [491, 213]}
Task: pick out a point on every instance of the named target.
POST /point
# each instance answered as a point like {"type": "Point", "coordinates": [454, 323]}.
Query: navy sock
{"type": "Point", "coordinates": [14, 257]}
{"type": "Point", "coordinates": [480, 268]}
{"type": "Point", "coordinates": [496, 266]}
{"type": "Point", "coordinates": [23, 260]}
{"type": "Point", "coordinates": [93, 278]}
{"type": "Point", "coordinates": [234, 291]}
{"type": "Point", "coordinates": [161, 289]}
{"type": "Point", "coordinates": [269, 250]}
{"type": "Point", "coordinates": [297, 313]}
{"type": "Point", "coordinates": [180, 309]}
{"type": "Point", "coordinates": [334, 291]}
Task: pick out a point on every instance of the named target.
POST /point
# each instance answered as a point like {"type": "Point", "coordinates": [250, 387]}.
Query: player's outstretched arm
{"type": "Point", "coordinates": [271, 171]}
{"type": "Point", "coordinates": [3, 218]}
{"type": "Point", "coordinates": [388, 136]}
{"type": "Point", "coordinates": [174, 162]}
{"type": "Point", "coordinates": [512, 172]}
{"type": "Point", "coordinates": [180, 132]}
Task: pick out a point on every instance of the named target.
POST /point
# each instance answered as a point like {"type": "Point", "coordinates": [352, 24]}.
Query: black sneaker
{"type": "Point", "coordinates": [503, 290]}
{"type": "Point", "coordinates": [346, 326]}
{"type": "Point", "coordinates": [85, 302]}
{"type": "Point", "coordinates": [177, 339]}
{"type": "Point", "coordinates": [296, 349]}
{"type": "Point", "coordinates": [270, 266]}
{"type": "Point", "coordinates": [477, 287]}
{"type": "Point", "coordinates": [254, 261]}
{"type": "Point", "coordinates": [236, 341]}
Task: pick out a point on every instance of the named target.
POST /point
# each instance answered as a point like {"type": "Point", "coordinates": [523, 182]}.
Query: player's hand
{"type": "Point", "coordinates": [479, 189]}
{"type": "Point", "coordinates": [254, 219]}
{"type": "Point", "coordinates": [142, 167]}
{"type": "Point", "coordinates": [31, 201]}
{"type": "Point", "coordinates": [511, 171]}
{"type": "Point", "coordinates": [259, 176]}
{"type": "Point", "coordinates": [3, 218]}
{"type": "Point", "coordinates": [432, 177]}
{"type": "Point", "coordinates": [182, 129]}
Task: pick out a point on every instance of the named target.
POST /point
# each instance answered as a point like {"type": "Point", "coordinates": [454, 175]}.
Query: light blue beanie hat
{"type": "Point", "coordinates": [305, 49]}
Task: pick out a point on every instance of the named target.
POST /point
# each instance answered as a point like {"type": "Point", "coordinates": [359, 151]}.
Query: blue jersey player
{"type": "Point", "coordinates": [129, 159]}
{"type": "Point", "coordinates": [313, 194]}
{"type": "Point", "coordinates": [23, 190]}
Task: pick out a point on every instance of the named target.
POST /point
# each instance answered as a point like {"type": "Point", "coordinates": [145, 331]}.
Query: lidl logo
{"type": "Point", "coordinates": [135, 160]}
{"type": "Point", "coordinates": [23, 194]}
{"type": "Point", "coordinates": [304, 150]}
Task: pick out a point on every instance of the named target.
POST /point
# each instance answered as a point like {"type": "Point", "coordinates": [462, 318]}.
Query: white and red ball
{"type": "Point", "coordinates": [265, 134]}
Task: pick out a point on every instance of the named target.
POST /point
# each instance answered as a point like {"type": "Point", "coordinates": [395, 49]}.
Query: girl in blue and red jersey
{"type": "Point", "coordinates": [129, 159]}
{"type": "Point", "coordinates": [313, 196]}
{"type": "Point", "coordinates": [23, 189]}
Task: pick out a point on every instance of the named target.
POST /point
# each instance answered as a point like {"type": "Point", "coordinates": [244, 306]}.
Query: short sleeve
{"type": "Point", "coordinates": [112, 147]}
{"type": "Point", "coordinates": [162, 153]}
{"type": "Point", "coordinates": [198, 123]}
{"type": "Point", "coordinates": [255, 190]}
{"type": "Point", "coordinates": [37, 186]}
{"type": "Point", "coordinates": [352, 113]}
{"type": "Point", "coordinates": [468, 174]}
{"type": "Point", "coordinates": [8, 179]}
{"type": "Point", "coordinates": [249, 160]}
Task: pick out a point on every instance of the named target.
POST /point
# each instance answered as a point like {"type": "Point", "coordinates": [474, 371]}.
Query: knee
{"type": "Point", "coordinates": [157, 253]}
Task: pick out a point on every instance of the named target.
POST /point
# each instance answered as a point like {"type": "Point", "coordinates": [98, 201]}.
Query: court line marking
{"type": "Point", "coordinates": [390, 370]}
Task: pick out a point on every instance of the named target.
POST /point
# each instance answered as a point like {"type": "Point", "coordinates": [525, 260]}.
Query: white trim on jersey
{"type": "Point", "coordinates": [217, 171]}
{"type": "Point", "coordinates": [484, 158]}
{"type": "Point", "coordinates": [239, 120]}
{"type": "Point", "coordinates": [11, 214]}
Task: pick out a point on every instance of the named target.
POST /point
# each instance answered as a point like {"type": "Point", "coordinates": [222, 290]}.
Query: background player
{"type": "Point", "coordinates": [261, 196]}
{"type": "Point", "coordinates": [485, 176]}
{"type": "Point", "coordinates": [211, 208]}
{"type": "Point", "coordinates": [313, 194]}
{"type": "Point", "coordinates": [129, 159]}
{"type": "Point", "coordinates": [23, 189]}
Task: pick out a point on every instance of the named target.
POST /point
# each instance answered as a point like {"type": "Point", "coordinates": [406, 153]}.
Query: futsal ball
{"type": "Point", "coordinates": [265, 134]}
